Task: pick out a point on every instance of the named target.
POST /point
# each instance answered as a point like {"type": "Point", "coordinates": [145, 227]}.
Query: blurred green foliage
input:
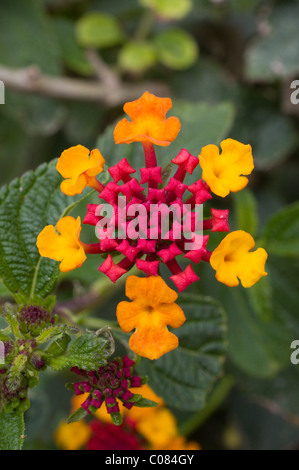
{"type": "Point", "coordinates": [227, 65]}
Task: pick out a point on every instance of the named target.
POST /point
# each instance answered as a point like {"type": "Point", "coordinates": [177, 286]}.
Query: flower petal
{"type": "Point", "coordinates": [223, 172]}
{"type": "Point", "coordinates": [149, 123]}
{"type": "Point", "coordinates": [232, 260]}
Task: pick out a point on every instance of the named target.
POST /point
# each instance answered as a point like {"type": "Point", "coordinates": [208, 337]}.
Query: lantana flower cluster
{"type": "Point", "coordinates": [109, 384]}
{"type": "Point", "coordinates": [154, 428]}
{"type": "Point", "coordinates": [145, 243]}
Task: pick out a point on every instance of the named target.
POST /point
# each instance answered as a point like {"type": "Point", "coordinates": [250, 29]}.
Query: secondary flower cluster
{"type": "Point", "coordinates": [107, 385]}
{"type": "Point", "coordinates": [144, 241]}
{"type": "Point", "coordinates": [142, 428]}
{"type": "Point", "coordinates": [23, 358]}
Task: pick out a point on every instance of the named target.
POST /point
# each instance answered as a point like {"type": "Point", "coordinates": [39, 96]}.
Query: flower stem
{"type": "Point", "coordinates": [150, 155]}
{"type": "Point", "coordinates": [95, 184]}
{"type": "Point", "coordinates": [91, 248]}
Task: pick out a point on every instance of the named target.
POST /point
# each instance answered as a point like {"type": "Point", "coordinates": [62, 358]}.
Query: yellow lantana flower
{"type": "Point", "coordinates": [72, 436]}
{"type": "Point", "coordinates": [80, 169]}
{"type": "Point", "coordinates": [159, 428]}
{"type": "Point", "coordinates": [223, 173]}
{"type": "Point", "coordinates": [149, 123]}
{"type": "Point", "coordinates": [152, 308]}
{"type": "Point", "coordinates": [64, 246]}
{"type": "Point", "coordinates": [232, 259]}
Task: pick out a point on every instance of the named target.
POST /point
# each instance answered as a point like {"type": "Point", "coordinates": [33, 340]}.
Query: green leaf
{"type": "Point", "coordinates": [12, 431]}
{"type": "Point", "coordinates": [144, 402]}
{"type": "Point", "coordinates": [27, 205]}
{"type": "Point", "coordinates": [117, 419]}
{"type": "Point", "coordinates": [13, 322]}
{"type": "Point", "coordinates": [4, 337]}
{"type": "Point", "coordinates": [77, 415]}
{"type": "Point", "coordinates": [185, 376]}
{"type": "Point", "coordinates": [88, 352]}
{"type": "Point", "coordinates": [59, 345]}
{"type": "Point", "coordinates": [96, 29]}
{"type": "Point", "coordinates": [176, 49]}
{"type": "Point", "coordinates": [4, 292]}
{"type": "Point", "coordinates": [14, 376]}
{"type": "Point", "coordinates": [281, 235]}
{"type": "Point", "coordinates": [245, 211]}
{"type": "Point", "coordinates": [49, 333]}
{"type": "Point", "coordinates": [169, 9]}
{"type": "Point", "coordinates": [276, 54]}
{"type": "Point", "coordinates": [47, 303]}
{"type": "Point", "coordinates": [137, 57]}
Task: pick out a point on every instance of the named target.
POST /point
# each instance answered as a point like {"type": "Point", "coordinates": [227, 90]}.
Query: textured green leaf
{"type": "Point", "coordinates": [27, 205]}
{"type": "Point", "coordinates": [88, 352]}
{"type": "Point", "coordinates": [13, 322]}
{"type": "Point", "coordinates": [12, 430]}
{"type": "Point", "coordinates": [184, 376]}
{"type": "Point", "coordinates": [49, 333]}
{"type": "Point", "coordinates": [281, 235]}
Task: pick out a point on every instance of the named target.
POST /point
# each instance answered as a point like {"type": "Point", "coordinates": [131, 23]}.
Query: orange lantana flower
{"type": "Point", "coordinates": [149, 123]}
{"type": "Point", "coordinates": [80, 169]}
{"type": "Point", "coordinates": [152, 308]}
{"type": "Point", "coordinates": [223, 172]}
{"type": "Point", "coordinates": [64, 246]}
{"type": "Point", "coordinates": [232, 260]}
